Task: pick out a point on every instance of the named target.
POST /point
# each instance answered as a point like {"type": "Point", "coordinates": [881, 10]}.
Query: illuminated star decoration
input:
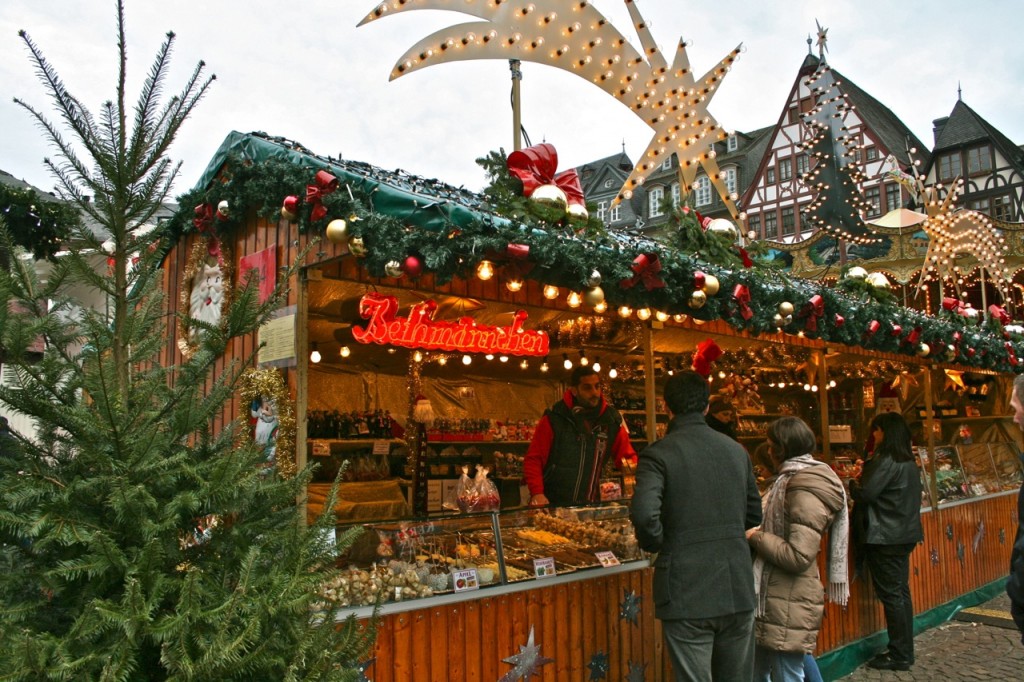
{"type": "Point", "coordinates": [526, 662]}
{"type": "Point", "coordinates": [636, 672]}
{"type": "Point", "coordinates": [822, 40]}
{"type": "Point", "coordinates": [629, 609]}
{"type": "Point", "coordinates": [598, 666]}
{"type": "Point", "coordinates": [361, 669]}
{"type": "Point", "coordinates": [574, 36]}
{"type": "Point", "coordinates": [934, 556]}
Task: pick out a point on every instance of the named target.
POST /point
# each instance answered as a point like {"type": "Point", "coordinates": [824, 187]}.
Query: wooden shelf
{"type": "Point", "coordinates": [445, 443]}
{"type": "Point", "coordinates": [368, 442]}
{"type": "Point", "coordinates": [957, 420]}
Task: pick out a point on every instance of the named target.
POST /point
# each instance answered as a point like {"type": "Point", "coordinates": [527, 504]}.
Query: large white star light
{"type": "Point", "coordinates": [572, 35]}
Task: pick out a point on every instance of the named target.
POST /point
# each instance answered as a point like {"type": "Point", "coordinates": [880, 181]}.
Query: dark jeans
{"type": "Point", "coordinates": [890, 574]}
{"type": "Point", "coordinates": [719, 649]}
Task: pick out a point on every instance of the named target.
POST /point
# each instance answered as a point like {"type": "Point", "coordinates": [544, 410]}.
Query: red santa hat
{"type": "Point", "coordinates": [422, 410]}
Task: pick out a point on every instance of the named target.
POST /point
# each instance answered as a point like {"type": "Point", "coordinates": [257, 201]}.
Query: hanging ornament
{"type": "Point", "coordinates": [323, 184]}
{"type": "Point", "coordinates": [786, 309]}
{"type": "Point", "coordinates": [550, 195]}
{"type": "Point", "coordinates": [393, 269]}
{"type": "Point", "coordinates": [697, 299]}
{"type": "Point", "coordinates": [726, 229]}
{"type": "Point", "coordinates": [203, 220]}
{"type": "Point", "coordinates": [356, 247]}
{"type": "Point", "coordinates": [997, 312]}
{"type": "Point", "coordinates": [856, 272]}
{"type": "Point", "coordinates": [337, 231]}
{"type": "Point", "coordinates": [645, 267]}
{"type": "Point", "coordinates": [972, 314]}
{"type": "Point", "coordinates": [779, 320]}
{"type": "Point", "coordinates": [711, 285]}
{"type": "Point", "coordinates": [873, 328]}
{"type": "Point", "coordinates": [535, 166]}
{"type": "Point", "coordinates": [290, 208]}
{"type": "Point", "coordinates": [412, 266]}
{"type": "Point", "coordinates": [223, 210]}
{"type": "Point", "coordinates": [812, 311]}
{"type": "Point", "coordinates": [593, 296]}
{"type": "Point", "coordinates": [877, 280]}
{"type": "Point", "coordinates": [577, 212]}
{"type": "Point", "coordinates": [840, 320]}
{"type": "Point", "coordinates": [950, 353]}
{"type": "Point", "coordinates": [741, 294]}
{"type": "Point", "coordinates": [923, 350]}
{"type": "Point", "coordinates": [896, 330]}
{"type": "Point", "coordinates": [595, 279]}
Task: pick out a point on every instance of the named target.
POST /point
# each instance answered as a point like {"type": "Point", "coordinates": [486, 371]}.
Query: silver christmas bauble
{"type": "Point", "coordinates": [595, 279]}
{"type": "Point", "coordinates": [698, 299]}
{"type": "Point", "coordinates": [393, 269]}
{"type": "Point", "coordinates": [877, 280]}
{"type": "Point", "coordinates": [857, 272]}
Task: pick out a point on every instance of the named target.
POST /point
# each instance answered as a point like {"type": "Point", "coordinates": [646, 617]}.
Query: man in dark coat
{"type": "Point", "coordinates": [1015, 585]}
{"type": "Point", "coordinates": [695, 497]}
{"type": "Point", "coordinates": [572, 442]}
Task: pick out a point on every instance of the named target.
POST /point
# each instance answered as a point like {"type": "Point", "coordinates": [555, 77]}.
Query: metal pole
{"type": "Point", "coordinates": [984, 297]}
{"type": "Point", "coordinates": [517, 124]}
{"type": "Point", "coordinates": [650, 397]}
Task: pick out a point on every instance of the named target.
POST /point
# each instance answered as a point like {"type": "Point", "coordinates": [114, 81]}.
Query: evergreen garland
{"type": "Point", "coordinates": [36, 224]}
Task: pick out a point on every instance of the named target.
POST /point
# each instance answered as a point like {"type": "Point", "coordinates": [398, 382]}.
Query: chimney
{"type": "Point", "coordinates": [937, 126]}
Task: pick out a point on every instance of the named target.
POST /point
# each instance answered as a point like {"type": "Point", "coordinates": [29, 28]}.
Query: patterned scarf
{"type": "Point", "coordinates": [774, 504]}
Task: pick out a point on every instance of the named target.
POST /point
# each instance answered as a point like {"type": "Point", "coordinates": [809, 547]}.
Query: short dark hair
{"type": "Point", "coordinates": [579, 373]}
{"type": "Point", "coordinates": [896, 440]}
{"type": "Point", "coordinates": [793, 436]}
{"type": "Point", "coordinates": [686, 392]}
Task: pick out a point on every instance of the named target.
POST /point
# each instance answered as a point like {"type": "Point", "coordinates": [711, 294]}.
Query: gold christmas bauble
{"type": "Point", "coordinates": [724, 228]}
{"type": "Point", "coordinates": [550, 195]}
{"type": "Point", "coordinates": [288, 215]}
{"type": "Point", "coordinates": [356, 247]}
{"type": "Point", "coordinates": [779, 320]}
{"type": "Point", "coordinates": [923, 350]}
{"type": "Point", "coordinates": [857, 272]}
{"type": "Point", "coordinates": [877, 280]}
{"type": "Point", "coordinates": [577, 211]}
{"type": "Point", "coordinates": [785, 308]}
{"type": "Point", "coordinates": [698, 299]}
{"type": "Point", "coordinates": [593, 296]}
{"type": "Point", "coordinates": [711, 285]}
{"type": "Point", "coordinates": [337, 231]}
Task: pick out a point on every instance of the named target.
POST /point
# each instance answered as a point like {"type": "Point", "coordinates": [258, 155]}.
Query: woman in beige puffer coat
{"type": "Point", "coordinates": [806, 501]}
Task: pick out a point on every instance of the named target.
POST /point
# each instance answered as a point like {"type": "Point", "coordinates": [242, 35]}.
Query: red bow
{"type": "Point", "coordinates": [519, 265]}
{"type": "Point", "coordinates": [747, 263]}
{"type": "Point", "coordinates": [812, 310]}
{"type": "Point", "coordinates": [701, 220]}
{"type": "Point", "coordinates": [742, 295]}
{"type": "Point", "coordinates": [536, 166]}
{"type": "Point", "coordinates": [325, 184]}
{"type": "Point", "coordinates": [953, 305]}
{"type": "Point", "coordinates": [873, 327]}
{"type": "Point", "coordinates": [999, 313]}
{"type": "Point", "coordinates": [204, 217]}
{"type": "Point", "coordinates": [645, 267]}
{"type": "Point", "coordinates": [914, 336]}
{"type": "Point", "coordinates": [706, 353]}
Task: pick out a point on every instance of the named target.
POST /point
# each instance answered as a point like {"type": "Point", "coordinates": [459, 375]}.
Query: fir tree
{"type": "Point", "coordinates": [104, 573]}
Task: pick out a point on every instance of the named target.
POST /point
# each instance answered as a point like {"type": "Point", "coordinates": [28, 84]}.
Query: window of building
{"type": "Point", "coordinates": [949, 166]}
{"type": "Point", "coordinates": [793, 115]}
{"type": "Point", "coordinates": [893, 197]}
{"type": "Point", "coordinates": [615, 213]}
{"type": "Point", "coordinates": [771, 225]}
{"type": "Point", "coordinates": [979, 160]}
{"type": "Point", "coordinates": [804, 225]}
{"type": "Point", "coordinates": [732, 144]}
{"type": "Point", "coordinates": [667, 163]}
{"type": "Point", "coordinates": [871, 153]}
{"type": "Point", "coordinates": [730, 180]}
{"type": "Point", "coordinates": [655, 195]}
{"type": "Point", "coordinates": [754, 224]}
{"type": "Point", "coordinates": [788, 222]}
{"type": "Point", "coordinates": [769, 175]}
{"type": "Point", "coordinates": [1001, 207]}
{"type": "Point", "coordinates": [676, 195]}
{"type": "Point", "coordinates": [702, 195]}
{"type": "Point", "coordinates": [602, 210]}
{"type": "Point", "coordinates": [785, 169]}
{"type": "Point", "coordinates": [803, 164]}
{"type": "Point", "coordinates": [873, 195]}
{"type": "Point", "coordinates": [981, 205]}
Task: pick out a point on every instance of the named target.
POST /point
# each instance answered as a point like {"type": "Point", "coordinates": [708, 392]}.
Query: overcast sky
{"type": "Point", "coordinates": [303, 70]}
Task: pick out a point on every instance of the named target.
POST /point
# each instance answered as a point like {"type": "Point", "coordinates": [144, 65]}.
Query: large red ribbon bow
{"type": "Point", "coordinates": [812, 310]}
{"type": "Point", "coordinates": [645, 267]}
{"type": "Point", "coordinates": [536, 166]}
{"type": "Point", "coordinates": [953, 305]}
{"type": "Point", "coordinates": [324, 184]}
{"type": "Point", "coordinates": [706, 353]}
{"type": "Point", "coordinates": [999, 313]}
{"type": "Point", "coordinates": [742, 296]}
{"type": "Point", "coordinates": [203, 220]}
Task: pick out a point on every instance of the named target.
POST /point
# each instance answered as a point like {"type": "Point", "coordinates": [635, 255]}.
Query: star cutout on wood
{"type": "Point", "coordinates": [598, 666]}
{"type": "Point", "coordinates": [636, 672]}
{"type": "Point", "coordinates": [629, 609]}
{"type": "Point", "coordinates": [526, 662]}
{"type": "Point", "coordinates": [361, 669]}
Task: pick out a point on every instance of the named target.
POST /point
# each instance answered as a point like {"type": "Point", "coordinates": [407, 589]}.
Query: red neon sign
{"type": "Point", "coordinates": [421, 330]}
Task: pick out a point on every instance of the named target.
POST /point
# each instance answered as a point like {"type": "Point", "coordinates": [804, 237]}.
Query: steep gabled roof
{"type": "Point", "coordinates": [965, 126]}
{"type": "Point", "coordinates": [592, 174]}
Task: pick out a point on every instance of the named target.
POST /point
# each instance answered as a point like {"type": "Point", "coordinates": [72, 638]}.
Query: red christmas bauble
{"type": "Point", "coordinates": [413, 266]}
{"type": "Point", "coordinates": [840, 320]}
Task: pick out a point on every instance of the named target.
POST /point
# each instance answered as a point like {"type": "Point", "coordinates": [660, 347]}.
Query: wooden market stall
{"type": "Point", "coordinates": [355, 401]}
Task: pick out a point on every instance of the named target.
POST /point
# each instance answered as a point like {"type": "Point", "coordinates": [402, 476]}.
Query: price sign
{"type": "Point", "coordinates": [465, 580]}
{"type": "Point", "coordinates": [381, 447]}
{"type": "Point", "coordinates": [607, 558]}
{"type": "Point", "coordinates": [321, 449]}
{"type": "Point", "coordinates": [544, 567]}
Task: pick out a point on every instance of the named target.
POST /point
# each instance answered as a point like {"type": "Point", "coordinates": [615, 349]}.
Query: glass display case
{"type": "Point", "coordinates": [974, 470]}
{"type": "Point", "coordinates": [405, 560]}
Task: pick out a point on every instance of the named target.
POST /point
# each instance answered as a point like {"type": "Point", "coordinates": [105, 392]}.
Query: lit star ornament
{"type": "Point", "coordinates": [636, 672]}
{"type": "Point", "coordinates": [361, 669]}
{"type": "Point", "coordinates": [526, 662]}
{"type": "Point", "coordinates": [598, 666]}
{"type": "Point", "coordinates": [629, 609]}
{"type": "Point", "coordinates": [574, 36]}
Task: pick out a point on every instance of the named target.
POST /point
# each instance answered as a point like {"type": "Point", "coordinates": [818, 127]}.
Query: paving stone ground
{"type": "Point", "coordinates": [962, 651]}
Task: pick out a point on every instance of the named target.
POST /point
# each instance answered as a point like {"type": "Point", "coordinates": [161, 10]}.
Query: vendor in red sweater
{"type": "Point", "coordinates": [572, 442]}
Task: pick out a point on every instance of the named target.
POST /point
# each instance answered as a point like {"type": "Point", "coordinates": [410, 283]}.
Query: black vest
{"type": "Point", "coordinates": [578, 454]}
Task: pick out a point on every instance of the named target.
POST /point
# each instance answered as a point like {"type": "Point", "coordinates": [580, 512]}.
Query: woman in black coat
{"type": "Point", "coordinates": [888, 499]}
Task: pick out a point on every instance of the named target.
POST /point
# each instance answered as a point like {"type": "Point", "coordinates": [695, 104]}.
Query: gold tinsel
{"type": "Point", "coordinates": [268, 382]}
{"type": "Point", "coordinates": [198, 256]}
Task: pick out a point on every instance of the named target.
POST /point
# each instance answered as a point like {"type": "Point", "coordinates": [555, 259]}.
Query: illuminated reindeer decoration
{"type": "Point", "coordinates": [573, 36]}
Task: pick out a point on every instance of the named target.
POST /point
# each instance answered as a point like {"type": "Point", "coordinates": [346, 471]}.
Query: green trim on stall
{"type": "Point", "coordinates": [845, 660]}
